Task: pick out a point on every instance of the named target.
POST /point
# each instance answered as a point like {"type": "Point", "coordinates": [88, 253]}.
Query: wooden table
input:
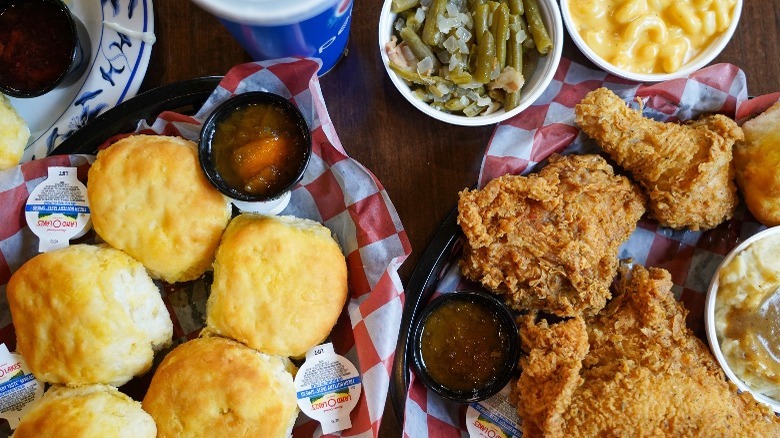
{"type": "Point", "coordinates": [421, 162]}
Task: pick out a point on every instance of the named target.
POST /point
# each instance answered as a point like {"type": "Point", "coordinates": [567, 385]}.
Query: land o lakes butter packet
{"type": "Point", "coordinates": [328, 387]}
{"type": "Point", "coordinates": [19, 389]}
{"type": "Point", "coordinates": [495, 417]}
{"type": "Point", "coordinates": [57, 209]}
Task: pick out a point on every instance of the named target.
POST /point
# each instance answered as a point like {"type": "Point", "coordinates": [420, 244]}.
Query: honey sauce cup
{"type": "Point", "coordinates": [254, 148]}
{"type": "Point", "coordinates": [465, 346]}
{"type": "Point", "coordinates": [43, 46]}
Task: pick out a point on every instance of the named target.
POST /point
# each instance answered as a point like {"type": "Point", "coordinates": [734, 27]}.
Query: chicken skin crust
{"type": "Point", "coordinates": [549, 241]}
{"type": "Point", "coordinates": [685, 169]}
{"type": "Point", "coordinates": [640, 373]}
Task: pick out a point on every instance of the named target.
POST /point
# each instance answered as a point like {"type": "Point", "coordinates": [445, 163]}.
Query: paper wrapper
{"type": "Point", "coordinates": [548, 126]}
{"type": "Point", "coordinates": [335, 190]}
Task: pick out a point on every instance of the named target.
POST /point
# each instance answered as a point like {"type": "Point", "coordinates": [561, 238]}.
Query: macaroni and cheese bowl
{"type": "Point", "coordinates": [742, 316]}
{"type": "Point", "coordinates": [454, 58]}
{"type": "Point", "coordinates": [653, 40]}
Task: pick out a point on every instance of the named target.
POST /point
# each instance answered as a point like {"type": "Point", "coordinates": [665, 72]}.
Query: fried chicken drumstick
{"type": "Point", "coordinates": [633, 370]}
{"type": "Point", "coordinates": [685, 169]}
{"type": "Point", "coordinates": [550, 240]}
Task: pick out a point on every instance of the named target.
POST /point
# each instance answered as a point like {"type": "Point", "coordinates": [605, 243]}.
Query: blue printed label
{"type": "Point", "coordinates": [327, 389]}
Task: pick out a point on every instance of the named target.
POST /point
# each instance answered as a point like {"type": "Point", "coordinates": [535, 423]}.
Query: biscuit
{"type": "Point", "coordinates": [86, 411]}
{"type": "Point", "coordinates": [150, 198]}
{"type": "Point", "coordinates": [216, 387]}
{"type": "Point", "coordinates": [280, 284]}
{"type": "Point", "coordinates": [87, 314]}
{"type": "Point", "coordinates": [14, 134]}
{"type": "Point", "coordinates": [757, 164]}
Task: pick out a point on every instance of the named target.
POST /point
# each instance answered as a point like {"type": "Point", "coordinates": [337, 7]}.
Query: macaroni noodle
{"type": "Point", "coordinates": [650, 36]}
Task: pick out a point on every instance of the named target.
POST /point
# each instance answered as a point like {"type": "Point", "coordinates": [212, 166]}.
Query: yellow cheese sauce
{"type": "Point", "coordinates": [650, 36]}
{"type": "Point", "coordinates": [747, 315]}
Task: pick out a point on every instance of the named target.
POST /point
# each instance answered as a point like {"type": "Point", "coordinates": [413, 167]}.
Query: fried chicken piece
{"type": "Point", "coordinates": [685, 169]}
{"type": "Point", "coordinates": [551, 372]}
{"type": "Point", "coordinates": [645, 374]}
{"type": "Point", "coordinates": [549, 241]}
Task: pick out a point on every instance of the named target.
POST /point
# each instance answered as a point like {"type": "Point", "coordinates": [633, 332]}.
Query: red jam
{"type": "Point", "coordinates": [464, 346]}
{"type": "Point", "coordinates": [36, 45]}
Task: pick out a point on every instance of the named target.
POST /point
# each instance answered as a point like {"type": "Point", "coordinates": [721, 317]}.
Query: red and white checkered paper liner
{"type": "Point", "coordinates": [548, 126]}
{"type": "Point", "coordinates": [335, 190]}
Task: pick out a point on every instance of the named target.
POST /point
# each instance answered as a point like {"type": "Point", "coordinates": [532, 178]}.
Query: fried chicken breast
{"type": "Point", "coordinates": [643, 373]}
{"type": "Point", "coordinates": [685, 169]}
{"type": "Point", "coordinates": [550, 240]}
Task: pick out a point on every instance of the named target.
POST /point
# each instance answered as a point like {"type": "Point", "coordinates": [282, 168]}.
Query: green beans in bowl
{"type": "Point", "coordinates": [471, 62]}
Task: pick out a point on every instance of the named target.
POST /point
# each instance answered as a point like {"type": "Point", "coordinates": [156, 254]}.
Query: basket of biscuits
{"type": "Point", "coordinates": [183, 313]}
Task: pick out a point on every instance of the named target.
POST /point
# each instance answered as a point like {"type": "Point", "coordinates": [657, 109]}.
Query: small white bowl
{"type": "Point", "coordinates": [709, 320]}
{"type": "Point", "coordinates": [533, 88]}
{"type": "Point", "coordinates": [702, 59]}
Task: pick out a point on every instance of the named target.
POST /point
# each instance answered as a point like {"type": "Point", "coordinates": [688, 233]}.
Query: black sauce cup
{"type": "Point", "coordinates": [40, 36]}
{"type": "Point", "coordinates": [506, 321]}
{"type": "Point", "coordinates": [207, 155]}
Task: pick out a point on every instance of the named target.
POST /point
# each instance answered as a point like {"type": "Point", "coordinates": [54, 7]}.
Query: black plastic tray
{"type": "Point", "coordinates": [185, 97]}
{"type": "Point", "coordinates": [421, 285]}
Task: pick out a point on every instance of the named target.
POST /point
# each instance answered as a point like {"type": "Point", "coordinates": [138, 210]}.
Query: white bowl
{"type": "Point", "coordinates": [533, 88]}
{"type": "Point", "coordinates": [702, 59]}
{"type": "Point", "coordinates": [709, 320]}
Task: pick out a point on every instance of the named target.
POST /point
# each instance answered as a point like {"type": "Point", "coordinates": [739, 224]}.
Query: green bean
{"type": "Point", "coordinates": [516, 7]}
{"type": "Point", "coordinates": [414, 77]}
{"type": "Point", "coordinates": [481, 18]}
{"type": "Point", "coordinates": [486, 55]}
{"type": "Point", "coordinates": [514, 60]}
{"type": "Point", "coordinates": [411, 21]}
{"type": "Point", "coordinates": [430, 33]}
{"type": "Point", "coordinates": [492, 6]}
{"type": "Point", "coordinates": [473, 109]}
{"type": "Point", "coordinates": [420, 94]}
{"type": "Point", "coordinates": [456, 104]}
{"type": "Point", "coordinates": [403, 5]}
{"type": "Point", "coordinates": [418, 47]}
{"type": "Point", "coordinates": [514, 57]}
{"type": "Point", "coordinates": [458, 76]}
{"type": "Point", "coordinates": [536, 26]}
{"type": "Point", "coordinates": [501, 33]}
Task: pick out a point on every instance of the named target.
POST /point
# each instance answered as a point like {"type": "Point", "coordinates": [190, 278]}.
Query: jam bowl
{"type": "Point", "coordinates": [465, 346]}
{"type": "Point", "coordinates": [42, 47]}
{"type": "Point", "coordinates": [254, 148]}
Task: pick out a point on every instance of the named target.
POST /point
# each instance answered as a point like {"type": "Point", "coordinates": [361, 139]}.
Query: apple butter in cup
{"type": "Point", "coordinates": [255, 146]}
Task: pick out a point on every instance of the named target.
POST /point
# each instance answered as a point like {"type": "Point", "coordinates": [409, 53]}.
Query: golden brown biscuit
{"type": "Point", "coordinates": [150, 198]}
{"type": "Point", "coordinates": [14, 134]}
{"type": "Point", "coordinates": [87, 314]}
{"type": "Point", "coordinates": [279, 284]}
{"type": "Point", "coordinates": [216, 387]}
{"type": "Point", "coordinates": [86, 411]}
{"type": "Point", "coordinates": [757, 161]}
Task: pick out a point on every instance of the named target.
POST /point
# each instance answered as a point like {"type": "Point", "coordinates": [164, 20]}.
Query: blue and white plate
{"type": "Point", "coordinates": [122, 34]}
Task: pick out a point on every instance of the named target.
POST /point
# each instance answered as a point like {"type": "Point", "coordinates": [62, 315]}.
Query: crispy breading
{"type": "Point", "coordinates": [550, 240]}
{"type": "Point", "coordinates": [645, 374]}
{"type": "Point", "coordinates": [550, 372]}
{"type": "Point", "coordinates": [685, 169]}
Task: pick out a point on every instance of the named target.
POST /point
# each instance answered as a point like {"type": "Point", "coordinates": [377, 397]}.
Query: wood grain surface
{"type": "Point", "coordinates": [421, 162]}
